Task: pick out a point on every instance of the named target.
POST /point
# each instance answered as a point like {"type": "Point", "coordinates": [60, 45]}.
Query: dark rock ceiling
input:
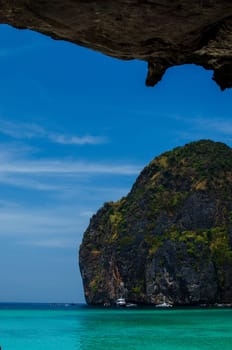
{"type": "Point", "coordinates": [163, 33]}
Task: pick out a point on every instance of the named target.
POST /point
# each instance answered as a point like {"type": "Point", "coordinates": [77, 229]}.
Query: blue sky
{"type": "Point", "coordinates": [76, 128]}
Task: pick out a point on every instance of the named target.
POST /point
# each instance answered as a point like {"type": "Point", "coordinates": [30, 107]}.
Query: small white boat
{"type": "Point", "coordinates": [121, 302]}
{"type": "Point", "coordinates": [164, 305]}
{"type": "Point", "coordinates": [131, 305]}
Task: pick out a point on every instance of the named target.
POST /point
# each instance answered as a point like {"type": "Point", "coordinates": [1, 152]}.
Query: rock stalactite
{"type": "Point", "coordinates": [163, 33]}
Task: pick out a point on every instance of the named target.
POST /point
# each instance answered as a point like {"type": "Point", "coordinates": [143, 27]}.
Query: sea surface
{"type": "Point", "coordinates": [69, 327]}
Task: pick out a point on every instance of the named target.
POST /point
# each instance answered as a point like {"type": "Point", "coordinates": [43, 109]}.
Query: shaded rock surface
{"type": "Point", "coordinates": [163, 33]}
{"type": "Point", "coordinates": [170, 237]}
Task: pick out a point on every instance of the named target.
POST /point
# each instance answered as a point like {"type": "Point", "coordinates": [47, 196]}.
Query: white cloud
{"type": "Point", "coordinates": [38, 218]}
{"type": "Point", "coordinates": [29, 222]}
{"type": "Point", "coordinates": [63, 178]}
{"type": "Point", "coordinates": [27, 183]}
{"type": "Point", "coordinates": [47, 223]}
{"type": "Point", "coordinates": [54, 227]}
{"type": "Point", "coordinates": [219, 129]}
{"type": "Point", "coordinates": [67, 167]}
{"type": "Point", "coordinates": [28, 131]}
{"type": "Point", "coordinates": [218, 125]}
{"type": "Point", "coordinates": [77, 140]}
{"type": "Point", "coordinates": [22, 130]}
{"type": "Point", "coordinates": [52, 221]}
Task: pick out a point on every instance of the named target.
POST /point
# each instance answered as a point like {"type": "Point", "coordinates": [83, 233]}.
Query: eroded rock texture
{"type": "Point", "coordinates": [170, 237]}
{"type": "Point", "coordinates": [163, 33]}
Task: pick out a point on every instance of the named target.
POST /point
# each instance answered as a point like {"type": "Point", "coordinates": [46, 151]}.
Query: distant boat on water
{"type": "Point", "coordinates": [121, 302]}
{"type": "Point", "coordinates": [164, 304]}
{"type": "Point", "coordinates": [131, 305]}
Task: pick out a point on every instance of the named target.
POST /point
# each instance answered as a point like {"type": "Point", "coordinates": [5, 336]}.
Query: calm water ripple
{"type": "Point", "coordinates": [84, 328]}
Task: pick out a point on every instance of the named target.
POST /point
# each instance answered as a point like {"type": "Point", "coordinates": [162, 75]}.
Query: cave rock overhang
{"type": "Point", "coordinates": [163, 33]}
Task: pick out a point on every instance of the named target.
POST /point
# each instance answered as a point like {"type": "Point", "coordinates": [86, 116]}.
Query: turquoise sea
{"type": "Point", "coordinates": [59, 327]}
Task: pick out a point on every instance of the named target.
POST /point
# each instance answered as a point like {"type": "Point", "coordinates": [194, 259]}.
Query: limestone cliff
{"type": "Point", "coordinates": [163, 33]}
{"type": "Point", "coordinates": [170, 236]}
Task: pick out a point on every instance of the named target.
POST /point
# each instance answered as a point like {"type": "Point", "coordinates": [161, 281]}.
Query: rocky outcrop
{"type": "Point", "coordinates": [171, 237]}
{"type": "Point", "coordinates": [163, 33]}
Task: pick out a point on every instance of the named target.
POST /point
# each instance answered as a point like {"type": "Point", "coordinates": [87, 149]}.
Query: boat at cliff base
{"type": "Point", "coordinates": [121, 302]}
{"type": "Point", "coordinates": [164, 305]}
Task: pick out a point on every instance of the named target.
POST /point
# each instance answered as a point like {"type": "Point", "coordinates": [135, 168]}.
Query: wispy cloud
{"type": "Point", "coordinates": [38, 218]}
{"type": "Point", "coordinates": [27, 182]}
{"type": "Point", "coordinates": [26, 221]}
{"type": "Point", "coordinates": [21, 130]}
{"type": "Point", "coordinates": [27, 131]}
{"type": "Point", "coordinates": [217, 125]}
{"type": "Point", "coordinates": [16, 161]}
{"type": "Point", "coordinates": [67, 167]}
{"type": "Point", "coordinates": [77, 140]}
{"type": "Point", "coordinates": [54, 226]}
{"type": "Point", "coordinates": [216, 128]}
{"type": "Point", "coordinates": [19, 169]}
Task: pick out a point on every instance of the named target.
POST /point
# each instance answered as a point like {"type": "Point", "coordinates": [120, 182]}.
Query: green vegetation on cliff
{"type": "Point", "coordinates": [171, 236]}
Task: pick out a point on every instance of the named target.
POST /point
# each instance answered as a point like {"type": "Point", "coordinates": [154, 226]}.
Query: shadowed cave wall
{"type": "Point", "coordinates": [163, 33]}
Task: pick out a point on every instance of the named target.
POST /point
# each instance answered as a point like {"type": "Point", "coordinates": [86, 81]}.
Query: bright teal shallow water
{"type": "Point", "coordinates": [85, 328]}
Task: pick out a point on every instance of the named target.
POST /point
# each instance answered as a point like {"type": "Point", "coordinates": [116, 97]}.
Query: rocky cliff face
{"type": "Point", "coordinates": [170, 237]}
{"type": "Point", "coordinates": [163, 33]}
